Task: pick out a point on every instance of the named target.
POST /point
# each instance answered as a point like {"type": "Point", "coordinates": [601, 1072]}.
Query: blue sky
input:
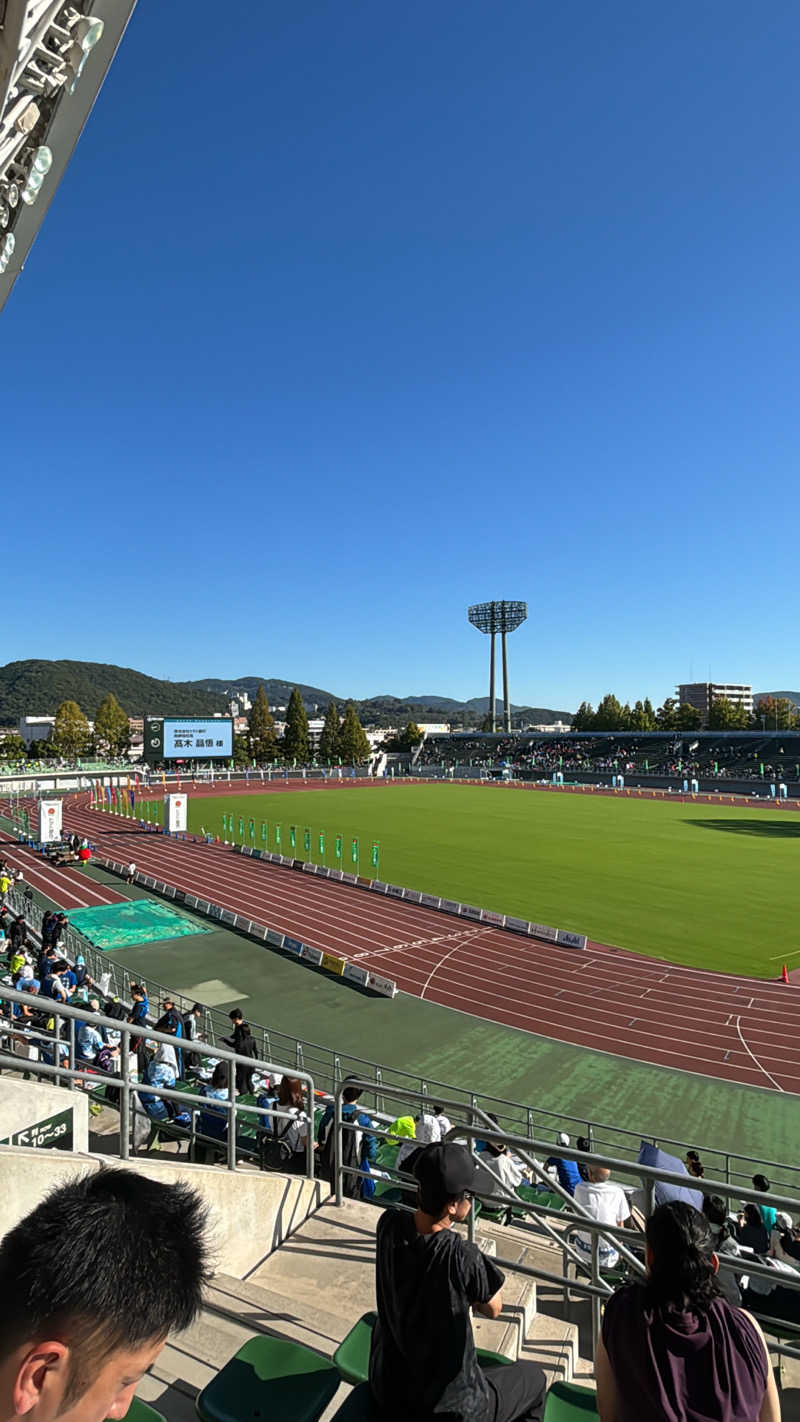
{"type": "Point", "coordinates": [357, 314]}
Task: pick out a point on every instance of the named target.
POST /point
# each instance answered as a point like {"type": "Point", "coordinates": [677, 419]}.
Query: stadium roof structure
{"type": "Point", "coordinates": [53, 60]}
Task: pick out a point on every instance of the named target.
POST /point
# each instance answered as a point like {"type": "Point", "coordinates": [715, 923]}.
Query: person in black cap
{"type": "Point", "coordinates": [423, 1362]}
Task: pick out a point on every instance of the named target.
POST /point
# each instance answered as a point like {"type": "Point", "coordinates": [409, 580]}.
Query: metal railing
{"type": "Point", "coordinates": [130, 1090]}
{"type": "Point", "coordinates": [330, 1066]}
{"type": "Point", "coordinates": [574, 1216]}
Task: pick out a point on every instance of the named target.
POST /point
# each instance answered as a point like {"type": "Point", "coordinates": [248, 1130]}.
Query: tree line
{"type": "Point", "coordinates": [343, 737]}
{"type": "Point", "coordinates": [770, 713]}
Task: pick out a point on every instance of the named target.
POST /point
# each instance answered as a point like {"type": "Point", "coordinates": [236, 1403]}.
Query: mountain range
{"type": "Point", "coordinates": [37, 688]}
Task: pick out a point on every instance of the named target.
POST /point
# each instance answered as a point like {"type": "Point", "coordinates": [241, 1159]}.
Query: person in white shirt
{"type": "Point", "coordinates": [499, 1173]}
{"type": "Point", "coordinates": [442, 1122]}
{"type": "Point", "coordinates": [607, 1203]}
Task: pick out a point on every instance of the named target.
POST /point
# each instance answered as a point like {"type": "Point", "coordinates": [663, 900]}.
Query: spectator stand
{"type": "Point", "coordinates": [131, 1089]}
{"type": "Point", "coordinates": [558, 1223]}
{"type": "Point", "coordinates": [329, 1067]}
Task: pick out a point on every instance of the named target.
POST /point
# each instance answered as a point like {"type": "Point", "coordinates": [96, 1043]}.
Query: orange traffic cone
{"type": "Point", "coordinates": [785, 974]}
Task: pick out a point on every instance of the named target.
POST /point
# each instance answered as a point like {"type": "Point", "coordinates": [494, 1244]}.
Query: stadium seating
{"type": "Point", "coordinates": [352, 1355]}
{"type": "Point", "coordinates": [271, 1379]}
{"type": "Point", "coordinates": [568, 1402]}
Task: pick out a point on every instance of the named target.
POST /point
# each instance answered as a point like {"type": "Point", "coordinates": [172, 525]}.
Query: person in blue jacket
{"type": "Point", "coordinates": [567, 1170]}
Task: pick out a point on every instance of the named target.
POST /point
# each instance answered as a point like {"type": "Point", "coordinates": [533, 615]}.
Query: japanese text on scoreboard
{"type": "Point", "coordinates": [193, 739]}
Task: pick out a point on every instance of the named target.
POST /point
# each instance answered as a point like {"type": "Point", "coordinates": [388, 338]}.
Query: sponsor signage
{"type": "Point", "coordinates": [355, 974]}
{"type": "Point", "coordinates": [413, 896]}
{"type": "Point", "coordinates": [394, 892]}
{"type": "Point", "coordinates": [468, 912]}
{"type": "Point", "coordinates": [378, 885]}
{"type": "Point", "coordinates": [311, 955]}
{"type": "Point", "coordinates": [496, 919]}
{"type": "Point", "coordinates": [570, 940]}
{"type": "Point", "coordinates": [333, 964]}
{"type": "Point", "coordinates": [517, 925]}
{"type": "Point", "coordinates": [543, 931]}
{"type": "Point", "coordinates": [449, 905]}
{"type": "Point", "coordinates": [384, 986]}
{"type": "Point", "coordinates": [293, 945]}
{"type": "Point", "coordinates": [429, 900]}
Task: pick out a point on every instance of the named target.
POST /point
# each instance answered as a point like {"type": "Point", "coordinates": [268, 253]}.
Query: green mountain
{"type": "Point", "coordinates": [37, 688]}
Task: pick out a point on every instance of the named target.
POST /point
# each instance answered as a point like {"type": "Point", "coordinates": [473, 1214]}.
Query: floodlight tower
{"type": "Point", "coordinates": [502, 617]}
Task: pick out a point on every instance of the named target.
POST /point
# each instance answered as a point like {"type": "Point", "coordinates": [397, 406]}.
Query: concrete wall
{"type": "Point", "coordinates": [250, 1213]}
{"type": "Point", "coordinates": [26, 1104]}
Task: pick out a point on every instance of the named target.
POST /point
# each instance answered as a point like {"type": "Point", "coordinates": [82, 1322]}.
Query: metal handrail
{"type": "Point", "coordinates": [328, 1062]}
{"type": "Point", "coordinates": [575, 1216]}
{"type": "Point", "coordinates": [127, 1030]}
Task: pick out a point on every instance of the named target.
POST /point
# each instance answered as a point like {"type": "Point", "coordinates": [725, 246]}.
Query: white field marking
{"type": "Point", "coordinates": [754, 1057]}
{"type": "Point", "coordinates": [782, 957]}
{"type": "Point", "coordinates": [443, 960]}
{"type": "Point", "coordinates": [463, 936]}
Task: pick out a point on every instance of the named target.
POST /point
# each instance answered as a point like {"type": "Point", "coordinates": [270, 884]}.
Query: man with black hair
{"type": "Point", "coordinates": [423, 1362]}
{"type": "Point", "coordinates": [91, 1283]}
{"type": "Point", "coordinates": [359, 1146]}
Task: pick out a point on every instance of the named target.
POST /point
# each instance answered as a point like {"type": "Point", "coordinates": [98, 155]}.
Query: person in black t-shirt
{"type": "Point", "coordinates": [423, 1362]}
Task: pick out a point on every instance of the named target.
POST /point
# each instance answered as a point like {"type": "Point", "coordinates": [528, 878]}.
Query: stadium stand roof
{"type": "Point", "coordinates": [53, 60]}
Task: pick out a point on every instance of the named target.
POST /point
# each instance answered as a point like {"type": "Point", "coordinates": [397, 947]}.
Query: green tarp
{"type": "Point", "coordinates": [138, 921]}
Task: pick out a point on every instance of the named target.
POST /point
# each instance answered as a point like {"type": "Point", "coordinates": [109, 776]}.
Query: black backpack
{"type": "Point", "coordinates": [274, 1150]}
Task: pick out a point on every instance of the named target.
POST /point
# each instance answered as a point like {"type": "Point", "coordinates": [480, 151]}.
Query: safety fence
{"type": "Point", "coordinates": [558, 1225]}
{"type": "Point", "coordinates": [330, 1066]}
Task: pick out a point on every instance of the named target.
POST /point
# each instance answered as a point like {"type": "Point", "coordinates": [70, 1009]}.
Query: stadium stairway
{"type": "Point", "coordinates": [319, 1282]}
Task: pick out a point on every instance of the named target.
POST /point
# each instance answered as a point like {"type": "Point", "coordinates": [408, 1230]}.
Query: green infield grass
{"type": "Point", "coordinates": [707, 885]}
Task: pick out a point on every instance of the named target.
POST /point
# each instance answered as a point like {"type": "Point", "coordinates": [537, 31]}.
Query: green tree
{"type": "Point", "coordinates": [261, 728]}
{"type": "Point", "coordinates": [329, 740]}
{"type": "Point", "coordinates": [71, 734]}
{"type": "Point", "coordinates": [295, 737]}
{"type": "Point", "coordinates": [639, 718]}
{"type": "Point", "coordinates": [13, 748]}
{"type": "Point", "coordinates": [650, 715]}
{"type": "Point", "coordinates": [241, 750]}
{"type": "Point", "coordinates": [112, 733]}
{"type": "Point", "coordinates": [725, 716]}
{"type": "Point", "coordinates": [775, 714]}
{"type": "Point", "coordinates": [667, 715]}
{"type": "Point", "coordinates": [354, 748]}
{"type": "Point", "coordinates": [583, 720]}
{"type": "Point", "coordinates": [608, 716]}
{"type": "Point", "coordinates": [688, 718]}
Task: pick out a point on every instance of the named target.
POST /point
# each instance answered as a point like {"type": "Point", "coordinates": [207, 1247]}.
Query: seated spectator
{"type": "Point", "coordinates": [672, 1346]}
{"type": "Point", "coordinates": [81, 976]}
{"type": "Point", "coordinates": [783, 1241]}
{"type": "Point", "coordinates": [426, 1132]}
{"type": "Point", "coordinates": [499, 1172]}
{"type": "Point", "coordinates": [442, 1121]}
{"type": "Point", "coordinates": [694, 1165]}
{"type": "Point", "coordinates": [68, 978]}
{"type": "Point", "coordinates": [761, 1183]}
{"type": "Point", "coordinates": [53, 987]}
{"type": "Point", "coordinates": [583, 1143]}
{"type": "Point", "coordinates": [607, 1203]}
{"type": "Point", "coordinates": [428, 1280]}
{"type": "Point", "coordinates": [567, 1170]}
{"type": "Point", "coordinates": [723, 1241]}
{"type": "Point", "coordinates": [71, 1346]}
{"type": "Point", "coordinates": [292, 1132]}
{"type": "Point", "coordinates": [751, 1230]}
{"type": "Point", "coordinates": [359, 1147]}
{"type": "Point", "coordinates": [213, 1121]}
{"type": "Point", "coordinates": [163, 1067]}
{"type": "Point", "coordinates": [88, 1037]}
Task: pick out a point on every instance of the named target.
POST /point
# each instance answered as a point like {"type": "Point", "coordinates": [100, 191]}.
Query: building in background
{"type": "Point", "coordinates": [701, 694]}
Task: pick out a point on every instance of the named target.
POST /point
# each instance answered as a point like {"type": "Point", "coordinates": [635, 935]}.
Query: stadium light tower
{"type": "Point", "coordinates": [502, 617]}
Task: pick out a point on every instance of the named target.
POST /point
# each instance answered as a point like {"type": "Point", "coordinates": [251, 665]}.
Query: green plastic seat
{"type": "Point", "coordinates": [568, 1402]}
{"type": "Point", "coordinates": [142, 1412]}
{"type": "Point", "coordinates": [272, 1380]}
{"type": "Point", "coordinates": [352, 1356]}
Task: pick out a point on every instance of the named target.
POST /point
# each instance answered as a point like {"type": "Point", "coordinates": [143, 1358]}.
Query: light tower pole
{"type": "Point", "coordinates": [491, 618]}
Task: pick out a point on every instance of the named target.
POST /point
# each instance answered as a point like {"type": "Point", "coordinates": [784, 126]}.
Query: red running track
{"type": "Point", "coordinates": [714, 1024]}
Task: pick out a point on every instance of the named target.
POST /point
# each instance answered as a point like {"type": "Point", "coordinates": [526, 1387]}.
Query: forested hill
{"type": "Point", "coordinates": [37, 688]}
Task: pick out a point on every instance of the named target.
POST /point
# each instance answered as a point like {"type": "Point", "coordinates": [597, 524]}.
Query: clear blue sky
{"type": "Point", "coordinates": [356, 314]}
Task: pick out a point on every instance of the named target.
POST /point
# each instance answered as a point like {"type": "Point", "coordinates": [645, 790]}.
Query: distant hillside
{"type": "Point", "coordinates": [37, 688]}
{"type": "Point", "coordinates": [777, 696]}
{"type": "Point", "coordinates": [34, 688]}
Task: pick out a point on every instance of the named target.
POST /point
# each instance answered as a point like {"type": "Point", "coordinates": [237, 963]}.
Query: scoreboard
{"type": "Point", "coordinates": [188, 738]}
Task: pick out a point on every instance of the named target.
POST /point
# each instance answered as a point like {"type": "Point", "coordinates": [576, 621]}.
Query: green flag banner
{"type": "Point", "coordinates": [307, 841]}
{"type": "Point", "coordinates": [263, 831]}
{"type": "Point", "coordinates": [355, 851]}
{"type": "Point", "coordinates": [293, 836]}
{"type": "Point", "coordinates": [278, 835]}
{"type": "Point", "coordinates": [252, 828]}
{"type": "Point", "coordinates": [322, 843]}
{"type": "Point", "coordinates": [376, 854]}
{"type": "Point", "coordinates": [338, 846]}
{"type": "Point", "coordinates": [241, 827]}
